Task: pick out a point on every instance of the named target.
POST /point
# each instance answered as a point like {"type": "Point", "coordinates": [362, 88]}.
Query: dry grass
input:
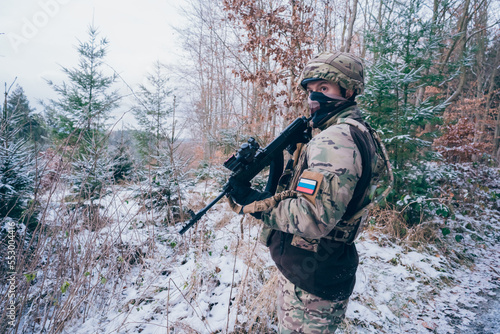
{"type": "Point", "coordinates": [425, 233]}
{"type": "Point", "coordinates": [264, 306]}
{"type": "Point", "coordinates": [390, 222]}
{"type": "Point", "coordinates": [70, 265]}
{"type": "Point", "coordinates": [79, 255]}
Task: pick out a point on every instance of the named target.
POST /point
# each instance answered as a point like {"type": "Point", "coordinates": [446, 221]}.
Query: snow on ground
{"type": "Point", "coordinates": [401, 290]}
{"type": "Point", "coordinates": [218, 278]}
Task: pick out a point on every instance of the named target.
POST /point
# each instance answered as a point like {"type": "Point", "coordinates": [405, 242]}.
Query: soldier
{"type": "Point", "coordinates": [311, 227]}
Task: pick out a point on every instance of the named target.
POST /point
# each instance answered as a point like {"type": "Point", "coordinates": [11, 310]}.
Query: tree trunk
{"type": "Point", "coordinates": [489, 97]}
{"type": "Point", "coordinates": [351, 26]}
{"type": "Point", "coordinates": [379, 23]}
{"type": "Point", "coordinates": [496, 141]}
{"type": "Point", "coordinates": [326, 40]}
{"type": "Point", "coordinates": [421, 89]}
{"type": "Point", "coordinates": [491, 92]}
{"type": "Point", "coordinates": [462, 42]}
{"type": "Point", "coordinates": [366, 27]}
{"type": "Point", "coordinates": [344, 27]}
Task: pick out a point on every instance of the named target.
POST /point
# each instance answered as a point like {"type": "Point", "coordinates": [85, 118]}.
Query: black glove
{"type": "Point", "coordinates": [243, 194]}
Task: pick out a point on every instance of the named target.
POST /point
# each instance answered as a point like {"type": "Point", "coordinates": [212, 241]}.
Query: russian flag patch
{"type": "Point", "coordinates": [306, 186]}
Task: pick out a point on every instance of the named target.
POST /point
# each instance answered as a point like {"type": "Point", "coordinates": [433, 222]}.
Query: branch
{"type": "Point", "coordinates": [481, 30]}
{"type": "Point", "coordinates": [419, 201]}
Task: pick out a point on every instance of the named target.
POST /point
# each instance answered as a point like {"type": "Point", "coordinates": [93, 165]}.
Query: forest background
{"type": "Point", "coordinates": [431, 91]}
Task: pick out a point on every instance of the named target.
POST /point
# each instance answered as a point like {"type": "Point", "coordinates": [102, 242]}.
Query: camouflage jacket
{"type": "Point", "coordinates": [333, 160]}
{"type": "Point", "coordinates": [297, 229]}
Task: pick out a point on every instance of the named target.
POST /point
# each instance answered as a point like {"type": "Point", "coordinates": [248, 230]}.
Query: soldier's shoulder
{"type": "Point", "coordinates": [332, 144]}
{"type": "Point", "coordinates": [335, 132]}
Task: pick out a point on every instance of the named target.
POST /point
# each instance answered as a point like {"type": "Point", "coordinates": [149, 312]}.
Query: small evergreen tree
{"type": "Point", "coordinates": [162, 189]}
{"type": "Point", "coordinates": [30, 124]}
{"type": "Point", "coordinates": [85, 102]}
{"type": "Point", "coordinates": [16, 177]}
{"type": "Point", "coordinates": [404, 48]}
{"type": "Point", "coordinates": [159, 143]}
{"type": "Point", "coordinates": [79, 116]}
{"type": "Point", "coordinates": [153, 109]}
{"type": "Point", "coordinates": [16, 167]}
{"type": "Point", "coordinates": [122, 165]}
{"type": "Point", "coordinates": [91, 173]}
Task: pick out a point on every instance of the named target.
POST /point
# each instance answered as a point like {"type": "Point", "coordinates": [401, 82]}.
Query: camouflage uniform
{"type": "Point", "coordinates": [333, 154]}
{"type": "Point", "coordinates": [302, 312]}
{"type": "Point", "coordinates": [332, 162]}
{"type": "Point", "coordinates": [311, 227]}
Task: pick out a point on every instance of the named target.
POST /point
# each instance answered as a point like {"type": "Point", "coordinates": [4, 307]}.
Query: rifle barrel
{"type": "Point", "coordinates": [200, 214]}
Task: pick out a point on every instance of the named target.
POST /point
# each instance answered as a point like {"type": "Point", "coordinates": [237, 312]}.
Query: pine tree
{"type": "Point", "coordinates": [153, 109]}
{"type": "Point", "coordinates": [159, 145]}
{"type": "Point", "coordinates": [85, 102]}
{"type": "Point", "coordinates": [122, 165]}
{"type": "Point", "coordinates": [91, 173]}
{"type": "Point", "coordinates": [16, 163]}
{"type": "Point", "coordinates": [30, 124]}
{"type": "Point", "coordinates": [79, 117]}
{"type": "Point", "coordinates": [405, 49]}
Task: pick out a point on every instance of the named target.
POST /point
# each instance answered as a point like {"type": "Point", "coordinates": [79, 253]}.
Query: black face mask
{"type": "Point", "coordinates": [323, 107]}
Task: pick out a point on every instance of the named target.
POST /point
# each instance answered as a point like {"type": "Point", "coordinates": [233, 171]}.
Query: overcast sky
{"type": "Point", "coordinates": [40, 36]}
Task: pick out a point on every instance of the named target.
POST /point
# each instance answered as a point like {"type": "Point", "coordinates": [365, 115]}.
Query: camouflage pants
{"type": "Point", "coordinates": [302, 312]}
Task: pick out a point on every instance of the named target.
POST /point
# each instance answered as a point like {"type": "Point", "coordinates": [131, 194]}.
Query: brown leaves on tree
{"type": "Point", "coordinates": [278, 38]}
{"type": "Point", "coordinates": [462, 139]}
{"type": "Point", "coordinates": [457, 144]}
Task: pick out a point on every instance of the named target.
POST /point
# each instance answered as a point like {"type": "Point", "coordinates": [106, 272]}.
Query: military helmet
{"type": "Point", "coordinates": [339, 67]}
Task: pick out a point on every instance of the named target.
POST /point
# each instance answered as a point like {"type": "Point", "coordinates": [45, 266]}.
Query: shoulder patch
{"type": "Point", "coordinates": [306, 186]}
{"type": "Point", "coordinates": [309, 183]}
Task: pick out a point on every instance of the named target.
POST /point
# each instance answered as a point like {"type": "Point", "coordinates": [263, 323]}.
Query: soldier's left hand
{"type": "Point", "coordinates": [256, 208]}
{"type": "Point", "coordinates": [243, 194]}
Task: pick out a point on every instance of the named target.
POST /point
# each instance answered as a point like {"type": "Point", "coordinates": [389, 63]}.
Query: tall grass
{"type": "Point", "coordinates": [82, 255]}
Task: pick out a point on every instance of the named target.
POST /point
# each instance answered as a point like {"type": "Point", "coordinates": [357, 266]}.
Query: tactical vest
{"type": "Point", "coordinates": [374, 162]}
{"type": "Point", "coordinates": [326, 267]}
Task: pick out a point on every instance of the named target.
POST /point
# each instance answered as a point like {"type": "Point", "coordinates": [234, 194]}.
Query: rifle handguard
{"type": "Point", "coordinates": [252, 161]}
{"type": "Point", "coordinates": [263, 205]}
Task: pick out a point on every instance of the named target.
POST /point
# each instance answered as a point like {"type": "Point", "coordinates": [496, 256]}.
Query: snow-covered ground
{"type": "Point", "coordinates": [401, 289]}
{"type": "Point", "coordinates": [218, 278]}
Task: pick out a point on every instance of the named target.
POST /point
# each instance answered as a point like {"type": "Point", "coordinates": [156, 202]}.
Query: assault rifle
{"type": "Point", "coordinates": [250, 160]}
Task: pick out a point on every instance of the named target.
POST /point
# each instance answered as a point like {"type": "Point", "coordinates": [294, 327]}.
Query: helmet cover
{"type": "Point", "coordinates": [342, 68]}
